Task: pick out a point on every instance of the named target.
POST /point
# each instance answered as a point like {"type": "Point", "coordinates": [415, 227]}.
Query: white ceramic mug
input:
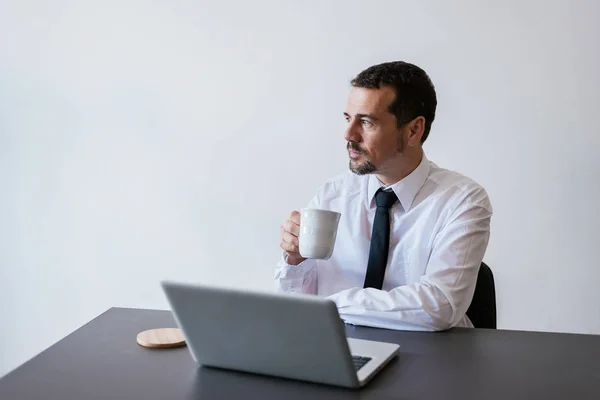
{"type": "Point", "coordinates": [318, 230]}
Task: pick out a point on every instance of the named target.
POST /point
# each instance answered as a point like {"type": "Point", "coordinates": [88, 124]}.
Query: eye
{"type": "Point", "coordinates": [366, 123]}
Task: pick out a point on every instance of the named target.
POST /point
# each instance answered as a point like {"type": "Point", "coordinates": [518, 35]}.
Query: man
{"type": "Point", "coordinates": [412, 235]}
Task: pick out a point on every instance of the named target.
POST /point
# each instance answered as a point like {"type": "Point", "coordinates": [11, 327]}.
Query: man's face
{"type": "Point", "coordinates": [373, 137]}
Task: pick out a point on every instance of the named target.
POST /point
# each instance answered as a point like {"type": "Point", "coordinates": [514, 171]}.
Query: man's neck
{"type": "Point", "coordinates": [403, 166]}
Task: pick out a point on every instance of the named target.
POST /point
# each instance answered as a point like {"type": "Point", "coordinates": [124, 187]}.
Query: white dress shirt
{"type": "Point", "coordinates": [439, 231]}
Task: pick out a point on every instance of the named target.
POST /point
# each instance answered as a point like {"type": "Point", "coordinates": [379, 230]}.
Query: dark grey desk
{"type": "Point", "coordinates": [102, 361]}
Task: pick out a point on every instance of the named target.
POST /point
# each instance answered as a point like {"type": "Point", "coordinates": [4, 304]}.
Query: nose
{"type": "Point", "coordinates": [353, 133]}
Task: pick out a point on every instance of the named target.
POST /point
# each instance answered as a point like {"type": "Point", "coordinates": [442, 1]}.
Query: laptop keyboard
{"type": "Point", "coordinates": [359, 361]}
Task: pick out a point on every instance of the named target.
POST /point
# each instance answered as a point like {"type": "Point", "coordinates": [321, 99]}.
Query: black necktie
{"type": "Point", "coordinates": [380, 239]}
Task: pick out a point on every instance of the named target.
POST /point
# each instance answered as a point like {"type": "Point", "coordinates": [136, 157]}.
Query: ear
{"type": "Point", "coordinates": [416, 129]}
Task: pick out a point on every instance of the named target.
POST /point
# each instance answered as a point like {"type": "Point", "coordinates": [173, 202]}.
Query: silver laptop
{"type": "Point", "coordinates": [286, 335]}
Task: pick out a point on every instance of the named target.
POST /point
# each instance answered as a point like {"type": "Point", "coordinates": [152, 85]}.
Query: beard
{"type": "Point", "coordinates": [366, 167]}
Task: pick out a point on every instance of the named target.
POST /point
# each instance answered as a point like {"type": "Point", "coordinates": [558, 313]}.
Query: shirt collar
{"type": "Point", "coordinates": [406, 189]}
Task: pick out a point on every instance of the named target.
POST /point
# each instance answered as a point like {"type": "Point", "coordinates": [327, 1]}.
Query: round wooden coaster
{"type": "Point", "coordinates": [163, 338]}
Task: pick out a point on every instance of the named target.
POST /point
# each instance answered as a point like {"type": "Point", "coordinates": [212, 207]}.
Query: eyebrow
{"type": "Point", "coordinates": [369, 116]}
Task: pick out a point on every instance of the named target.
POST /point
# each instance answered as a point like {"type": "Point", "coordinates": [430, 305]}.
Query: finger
{"type": "Point", "coordinates": [289, 238]}
{"type": "Point", "coordinates": [289, 248]}
{"type": "Point", "coordinates": [286, 227]}
{"type": "Point", "coordinates": [291, 227]}
{"type": "Point", "coordinates": [295, 217]}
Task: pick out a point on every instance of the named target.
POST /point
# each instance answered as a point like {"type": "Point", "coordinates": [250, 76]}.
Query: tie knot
{"type": "Point", "coordinates": [385, 199]}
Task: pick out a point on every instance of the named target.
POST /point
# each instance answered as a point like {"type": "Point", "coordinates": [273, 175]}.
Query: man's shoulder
{"type": "Point", "coordinates": [346, 183]}
{"type": "Point", "coordinates": [461, 186]}
{"type": "Point", "coordinates": [345, 179]}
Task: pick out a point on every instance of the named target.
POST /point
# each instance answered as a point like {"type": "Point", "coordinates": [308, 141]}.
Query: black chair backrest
{"type": "Point", "coordinates": [482, 311]}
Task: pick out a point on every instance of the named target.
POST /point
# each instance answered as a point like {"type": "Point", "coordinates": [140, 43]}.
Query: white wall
{"type": "Point", "coordinates": [147, 140]}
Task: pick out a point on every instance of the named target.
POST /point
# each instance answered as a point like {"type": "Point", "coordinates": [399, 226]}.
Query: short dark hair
{"type": "Point", "coordinates": [415, 93]}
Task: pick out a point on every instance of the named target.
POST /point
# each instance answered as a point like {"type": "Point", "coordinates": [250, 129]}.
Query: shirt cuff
{"type": "Point", "coordinates": [286, 270]}
{"type": "Point", "coordinates": [296, 278]}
